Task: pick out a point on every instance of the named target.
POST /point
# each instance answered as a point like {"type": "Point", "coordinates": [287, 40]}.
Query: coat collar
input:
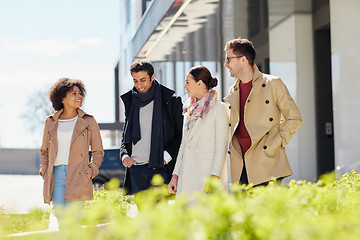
{"type": "Point", "coordinates": [233, 97]}
{"type": "Point", "coordinates": [80, 125]}
{"type": "Point", "coordinates": [55, 117]}
{"type": "Point", "coordinates": [198, 123]}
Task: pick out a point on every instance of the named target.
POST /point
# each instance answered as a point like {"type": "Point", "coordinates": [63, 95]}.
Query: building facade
{"type": "Point", "coordinates": [310, 44]}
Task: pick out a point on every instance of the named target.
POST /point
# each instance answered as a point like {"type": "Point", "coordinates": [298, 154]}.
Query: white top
{"type": "Point", "coordinates": [141, 150]}
{"type": "Point", "coordinates": [64, 135]}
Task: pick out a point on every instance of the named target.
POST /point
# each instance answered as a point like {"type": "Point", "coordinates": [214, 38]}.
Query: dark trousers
{"type": "Point", "coordinates": [244, 178]}
{"type": "Point", "coordinates": [141, 176]}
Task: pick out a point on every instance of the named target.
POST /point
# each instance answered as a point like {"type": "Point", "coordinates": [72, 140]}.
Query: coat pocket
{"type": "Point", "coordinates": [88, 172]}
{"type": "Point", "coordinates": [272, 145]}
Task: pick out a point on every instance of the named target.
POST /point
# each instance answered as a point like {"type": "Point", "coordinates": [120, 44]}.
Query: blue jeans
{"type": "Point", "coordinates": [141, 176]}
{"type": "Point", "coordinates": [59, 193]}
{"type": "Point", "coordinates": [59, 186]}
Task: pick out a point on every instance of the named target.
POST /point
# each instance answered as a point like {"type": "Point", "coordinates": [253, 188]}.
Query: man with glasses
{"type": "Point", "coordinates": [258, 134]}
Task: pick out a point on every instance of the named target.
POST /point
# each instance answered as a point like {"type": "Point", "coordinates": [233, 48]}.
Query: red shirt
{"type": "Point", "coordinates": [241, 132]}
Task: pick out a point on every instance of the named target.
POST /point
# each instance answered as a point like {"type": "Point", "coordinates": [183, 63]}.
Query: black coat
{"type": "Point", "coordinates": [173, 123]}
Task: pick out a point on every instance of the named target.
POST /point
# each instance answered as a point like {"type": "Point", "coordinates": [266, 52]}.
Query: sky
{"type": "Point", "coordinates": [42, 41]}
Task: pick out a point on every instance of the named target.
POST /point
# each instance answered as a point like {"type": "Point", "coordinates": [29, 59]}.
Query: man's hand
{"type": "Point", "coordinates": [128, 161]}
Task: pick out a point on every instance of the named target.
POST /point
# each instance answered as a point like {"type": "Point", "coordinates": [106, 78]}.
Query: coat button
{"type": "Point", "coordinates": [229, 107]}
{"type": "Point", "coordinates": [271, 119]}
{"type": "Point", "coordinates": [263, 85]}
{"type": "Point", "coordinates": [82, 154]}
{"type": "Point", "coordinates": [264, 147]}
{"type": "Point", "coordinates": [266, 133]}
{"type": "Point", "coordinates": [228, 152]}
{"type": "Point", "coordinates": [267, 101]}
{"type": "Point", "coordinates": [83, 134]}
{"type": "Point", "coordinates": [229, 124]}
{"type": "Point", "coordinates": [248, 100]}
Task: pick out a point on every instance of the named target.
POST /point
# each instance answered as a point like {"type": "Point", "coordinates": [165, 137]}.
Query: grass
{"type": "Point", "coordinates": [35, 220]}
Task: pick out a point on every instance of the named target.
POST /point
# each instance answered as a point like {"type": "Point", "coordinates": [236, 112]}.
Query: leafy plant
{"type": "Point", "coordinates": [327, 209]}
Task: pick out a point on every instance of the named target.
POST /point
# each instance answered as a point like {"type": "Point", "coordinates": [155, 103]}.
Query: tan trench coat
{"type": "Point", "coordinates": [268, 100]}
{"type": "Point", "coordinates": [86, 133]}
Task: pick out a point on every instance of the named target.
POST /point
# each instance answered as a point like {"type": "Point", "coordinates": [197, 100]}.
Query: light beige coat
{"type": "Point", "coordinates": [268, 100]}
{"type": "Point", "coordinates": [86, 133]}
{"type": "Point", "coordinates": [203, 150]}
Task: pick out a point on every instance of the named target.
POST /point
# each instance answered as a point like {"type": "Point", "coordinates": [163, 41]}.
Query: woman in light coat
{"type": "Point", "coordinates": [64, 154]}
{"type": "Point", "coordinates": [203, 148]}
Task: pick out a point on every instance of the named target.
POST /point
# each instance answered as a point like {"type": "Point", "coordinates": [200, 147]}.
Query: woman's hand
{"type": "Point", "coordinates": [42, 172]}
{"type": "Point", "coordinates": [172, 186]}
{"type": "Point", "coordinates": [128, 161]}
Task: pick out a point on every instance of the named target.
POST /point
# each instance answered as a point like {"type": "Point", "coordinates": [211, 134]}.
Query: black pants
{"type": "Point", "coordinates": [244, 178]}
{"type": "Point", "coordinates": [141, 176]}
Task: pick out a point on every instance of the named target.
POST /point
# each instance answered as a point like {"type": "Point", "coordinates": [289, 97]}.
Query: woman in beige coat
{"type": "Point", "coordinates": [203, 148]}
{"type": "Point", "coordinates": [64, 153]}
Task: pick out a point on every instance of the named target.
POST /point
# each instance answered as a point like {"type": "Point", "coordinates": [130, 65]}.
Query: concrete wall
{"type": "Point", "coordinates": [19, 161]}
{"type": "Point", "coordinates": [345, 51]}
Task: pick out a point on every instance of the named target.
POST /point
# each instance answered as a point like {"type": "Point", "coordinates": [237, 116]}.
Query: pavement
{"type": "Point", "coordinates": [21, 193]}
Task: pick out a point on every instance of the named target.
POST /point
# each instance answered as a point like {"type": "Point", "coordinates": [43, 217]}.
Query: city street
{"type": "Point", "coordinates": [20, 193]}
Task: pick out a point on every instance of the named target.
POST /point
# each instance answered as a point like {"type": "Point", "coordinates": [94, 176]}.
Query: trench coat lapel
{"type": "Point", "coordinates": [80, 125]}
{"type": "Point", "coordinates": [54, 125]}
{"type": "Point", "coordinates": [234, 98]}
{"type": "Point", "coordinates": [195, 129]}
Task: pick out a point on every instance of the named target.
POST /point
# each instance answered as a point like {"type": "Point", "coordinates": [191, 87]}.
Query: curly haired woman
{"type": "Point", "coordinates": [64, 154]}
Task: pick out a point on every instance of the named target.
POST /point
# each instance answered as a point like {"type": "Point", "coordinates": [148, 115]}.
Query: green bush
{"type": "Point", "coordinates": [35, 220]}
{"type": "Point", "coordinates": [328, 209]}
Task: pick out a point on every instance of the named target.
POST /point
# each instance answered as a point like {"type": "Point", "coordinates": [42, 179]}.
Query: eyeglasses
{"type": "Point", "coordinates": [227, 59]}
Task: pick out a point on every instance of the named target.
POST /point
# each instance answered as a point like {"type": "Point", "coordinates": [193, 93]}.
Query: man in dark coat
{"type": "Point", "coordinates": [152, 130]}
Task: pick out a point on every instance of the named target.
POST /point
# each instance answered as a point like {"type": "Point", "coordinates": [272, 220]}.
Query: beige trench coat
{"type": "Point", "coordinates": [203, 150]}
{"type": "Point", "coordinates": [268, 100]}
{"type": "Point", "coordinates": [86, 133]}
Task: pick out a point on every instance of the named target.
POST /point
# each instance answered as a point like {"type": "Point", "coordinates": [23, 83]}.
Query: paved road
{"type": "Point", "coordinates": [20, 193]}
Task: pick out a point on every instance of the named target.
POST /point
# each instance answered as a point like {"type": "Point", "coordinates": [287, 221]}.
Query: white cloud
{"type": "Point", "coordinates": [91, 41]}
{"type": "Point", "coordinates": [53, 47]}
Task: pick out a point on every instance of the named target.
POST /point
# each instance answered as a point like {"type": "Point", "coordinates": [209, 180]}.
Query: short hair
{"type": "Point", "coordinates": [242, 46]}
{"type": "Point", "coordinates": [59, 90]}
{"type": "Point", "coordinates": [202, 73]}
{"type": "Point", "coordinates": [142, 65]}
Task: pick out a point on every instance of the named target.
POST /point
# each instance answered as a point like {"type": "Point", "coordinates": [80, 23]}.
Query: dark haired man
{"type": "Point", "coordinates": [258, 134]}
{"type": "Point", "coordinates": [152, 131]}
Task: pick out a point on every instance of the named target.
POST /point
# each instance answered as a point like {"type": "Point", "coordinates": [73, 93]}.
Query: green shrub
{"type": "Point", "coordinates": [328, 209]}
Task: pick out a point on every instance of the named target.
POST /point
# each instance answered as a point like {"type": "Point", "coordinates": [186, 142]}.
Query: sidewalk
{"type": "Point", "coordinates": [132, 212]}
{"type": "Point", "coordinates": [21, 193]}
